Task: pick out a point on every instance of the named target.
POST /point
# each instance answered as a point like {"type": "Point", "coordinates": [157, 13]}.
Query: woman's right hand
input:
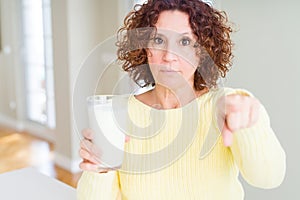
{"type": "Point", "coordinates": [90, 154]}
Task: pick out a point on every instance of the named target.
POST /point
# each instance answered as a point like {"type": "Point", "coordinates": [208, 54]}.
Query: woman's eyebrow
{"type": "Point", "coordinates": [187, 33]}
{"type": "Point", "coordinates": [160, 34]}
{"type": "Point", "coordinates": [180, 34]}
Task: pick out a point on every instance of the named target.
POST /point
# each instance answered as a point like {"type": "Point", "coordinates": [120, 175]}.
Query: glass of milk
{"type": "Point", "coordinates": [108, 134]}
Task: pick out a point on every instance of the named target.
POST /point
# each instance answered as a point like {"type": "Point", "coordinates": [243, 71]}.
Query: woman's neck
{"type": "Point", "coordinates": [165, 98]}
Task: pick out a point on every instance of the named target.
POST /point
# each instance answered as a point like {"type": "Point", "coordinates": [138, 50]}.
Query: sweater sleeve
{"type": "Point", "coordinates": [94, 186]}
{"type": "Point", "coordinates": [259, 155]}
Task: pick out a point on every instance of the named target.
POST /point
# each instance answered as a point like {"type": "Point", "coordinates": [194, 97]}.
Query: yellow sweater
{"type": "Point", "coordinates": [166, 164]}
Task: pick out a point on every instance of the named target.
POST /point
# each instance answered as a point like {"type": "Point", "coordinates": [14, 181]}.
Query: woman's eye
{"type": "Point", "coordinates": [158, 40]}
{"type": "Point", "coordinates": [185, 42]}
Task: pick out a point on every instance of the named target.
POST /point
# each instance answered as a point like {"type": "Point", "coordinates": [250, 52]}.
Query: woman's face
{"type": "Point", "coordinates": [172, 53]}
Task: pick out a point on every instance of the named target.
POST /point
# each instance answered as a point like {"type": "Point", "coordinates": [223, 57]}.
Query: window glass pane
{"type": "Point", "coordinates": [139, 1]}
{"type": "Point", "coordinates": [31, 3]}
{"type": "Point", "coordinates": [35, 76]}
{"type": "Point", "coordinates": [38, 61]}
{"type": "Point", "coordinates": [50, 83]}
{"type": "Point", "coordinates": [47, 2]}
{"type": "Point", "coordinates": [48, 53]}
{"type": "Point", "coordinates": [47, 21]}
{"type": "Point", "coordinates": [51, 113]}
{"type": "Point", "coordinates": [36, 102]}
{"type": "Point", "coordinates": [34, 50]}
{"type": "Point", "coordinates": [33, 20]}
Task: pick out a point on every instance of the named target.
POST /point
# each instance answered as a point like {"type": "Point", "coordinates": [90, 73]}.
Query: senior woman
{"type": "Point", "coordinates": [180, 48]}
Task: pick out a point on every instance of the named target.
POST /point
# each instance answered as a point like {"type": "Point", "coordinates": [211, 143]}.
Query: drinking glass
{"type": "Point", "coordinates": [108, 135]}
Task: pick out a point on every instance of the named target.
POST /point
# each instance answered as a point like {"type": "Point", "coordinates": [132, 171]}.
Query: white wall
{"type": "Point", "coordinates": [267, 63]}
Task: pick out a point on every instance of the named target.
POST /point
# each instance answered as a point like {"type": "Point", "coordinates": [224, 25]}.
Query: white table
{"type": "Point", "coordinates": [29, 184]}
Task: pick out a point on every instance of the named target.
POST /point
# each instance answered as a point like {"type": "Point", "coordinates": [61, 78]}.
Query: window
{"type": "Point", "coordinates": [38, 61]}
{"type": "Point", "coordinates": [139, 1]}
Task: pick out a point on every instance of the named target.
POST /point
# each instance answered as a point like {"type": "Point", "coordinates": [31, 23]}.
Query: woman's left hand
{"type": "Point", "coordinates": [236, 112]}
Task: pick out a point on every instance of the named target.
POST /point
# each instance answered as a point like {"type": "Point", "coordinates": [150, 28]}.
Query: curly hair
{"type": "Point", "coordinates": [208, 24]}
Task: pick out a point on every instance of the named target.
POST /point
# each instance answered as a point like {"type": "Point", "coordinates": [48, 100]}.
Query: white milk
{"type": "Point", "coordinates": [108, 137]}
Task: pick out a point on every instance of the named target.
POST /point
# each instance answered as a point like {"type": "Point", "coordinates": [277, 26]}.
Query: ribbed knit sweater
{"type": "Point", "coordinates": [170, 167]}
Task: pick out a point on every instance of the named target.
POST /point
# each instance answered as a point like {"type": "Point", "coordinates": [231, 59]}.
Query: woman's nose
{"type": "Point", "coordinates": [169, 54]}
